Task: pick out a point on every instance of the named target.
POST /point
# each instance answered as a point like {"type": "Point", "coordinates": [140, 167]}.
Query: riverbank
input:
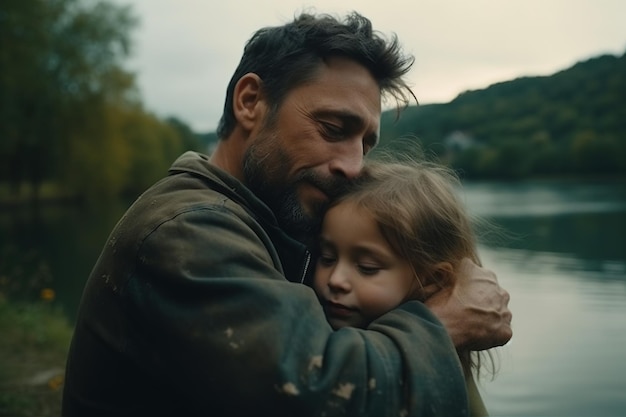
{"type": "Point", "coordinates": [35, 342]}
{"type": "Point", "coordinates": [25, 195]}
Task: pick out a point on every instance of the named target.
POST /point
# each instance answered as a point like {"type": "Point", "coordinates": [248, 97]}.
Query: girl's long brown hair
{"type": "Point", "coordinates": [417, 207]}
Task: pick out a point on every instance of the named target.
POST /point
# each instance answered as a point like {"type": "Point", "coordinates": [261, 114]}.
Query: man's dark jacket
{"type": "Point", "coordinates": [195, 307]}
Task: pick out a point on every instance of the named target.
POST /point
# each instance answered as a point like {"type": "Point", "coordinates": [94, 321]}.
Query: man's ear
{"type": "Point", "coordinates": [248, 101]}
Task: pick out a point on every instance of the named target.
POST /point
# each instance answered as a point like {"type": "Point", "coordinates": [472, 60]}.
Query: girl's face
{"type": "Point", "coordinates": [358, 276]}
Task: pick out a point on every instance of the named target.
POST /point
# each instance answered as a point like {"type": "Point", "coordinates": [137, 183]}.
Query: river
{"type": "Point", "coordinates": [564, 263]}
{"type": "Point", "coordinates": [562, 257]}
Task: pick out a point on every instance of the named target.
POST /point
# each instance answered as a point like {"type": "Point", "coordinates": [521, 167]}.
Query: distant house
{"type": "Point", "coordinates": [458, 141]}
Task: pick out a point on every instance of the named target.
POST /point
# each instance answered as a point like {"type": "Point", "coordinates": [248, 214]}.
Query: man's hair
{"type": "Point", "coordinates": [286, 56]}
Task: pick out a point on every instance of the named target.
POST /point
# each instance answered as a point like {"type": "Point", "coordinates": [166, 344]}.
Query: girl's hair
{"type": "Point", "coordinates": [418, 210]}
{"type": "Point", "coordinates": [419, 213]}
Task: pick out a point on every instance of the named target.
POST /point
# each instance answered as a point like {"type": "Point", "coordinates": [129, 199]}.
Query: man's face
{"type": "Point", "coordinates": [314, 144]}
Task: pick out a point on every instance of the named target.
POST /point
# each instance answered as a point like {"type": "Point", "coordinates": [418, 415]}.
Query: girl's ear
{"type": "Point", "coordinates": [248, 101]}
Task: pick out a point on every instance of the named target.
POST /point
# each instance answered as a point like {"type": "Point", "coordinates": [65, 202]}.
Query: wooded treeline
{"type": "Point", "coordinates": [572, 123]}
{"type": "Point", "coordinates": [70, 113]}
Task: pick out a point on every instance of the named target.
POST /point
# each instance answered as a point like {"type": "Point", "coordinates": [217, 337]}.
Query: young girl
{"type": "Point", "coordinates": [398, 235]}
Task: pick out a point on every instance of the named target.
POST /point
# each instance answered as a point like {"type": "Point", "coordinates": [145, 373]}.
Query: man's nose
{"type": "Point", "coordinates": [348, 162]}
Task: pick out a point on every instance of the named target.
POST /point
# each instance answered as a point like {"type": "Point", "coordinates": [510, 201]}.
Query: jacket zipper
{"type": "Point", "coordinates": [306, 266]}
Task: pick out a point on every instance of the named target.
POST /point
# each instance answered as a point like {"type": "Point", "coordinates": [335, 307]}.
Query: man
{"type": "Point", "coordinates": [196, 304]}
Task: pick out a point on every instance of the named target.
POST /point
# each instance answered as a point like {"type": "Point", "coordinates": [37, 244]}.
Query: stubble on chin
{"type": "Point", "coordinates": [266, 174]}
{"type": "Point", "coordinates": [298, 221]}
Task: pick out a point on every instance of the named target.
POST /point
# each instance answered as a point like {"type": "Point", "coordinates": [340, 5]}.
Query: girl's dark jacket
{"type": "Point", "coordinates": [195, 307]}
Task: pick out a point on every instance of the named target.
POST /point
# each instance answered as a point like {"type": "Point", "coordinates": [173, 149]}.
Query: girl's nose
{"type": "Point", "coordinates": [339, 280]}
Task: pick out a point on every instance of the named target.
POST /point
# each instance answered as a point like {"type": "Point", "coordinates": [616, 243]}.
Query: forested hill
{"type": "Point", "coordinates": [570, 123]}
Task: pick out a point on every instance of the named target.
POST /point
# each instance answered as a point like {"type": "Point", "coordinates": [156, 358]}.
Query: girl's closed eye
{"type": "Point", "coordinates": [369, 267]}
{"type": "Point", "coordinates": [326, 259]}
{"type": "Point", "coordinates": [327, 255]}
{"type": "Point", "coordinates": [368, 270]}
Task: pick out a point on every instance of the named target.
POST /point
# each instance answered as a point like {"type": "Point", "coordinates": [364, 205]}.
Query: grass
{"type": "Point", "coordinates": [35, 341]}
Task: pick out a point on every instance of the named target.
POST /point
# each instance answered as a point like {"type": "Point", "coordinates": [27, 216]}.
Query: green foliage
{"type": "Point", "coordinates": [69, 111]}
{"type": "Point", "coordinates": [34, 324]}
{"type": "Point", "coordinates": [572, 122]}
{"type": "Point", "coordinates": [153, 144]}
{"type": "Point", "coordinates": [189, 139]}
{"type": "Point", "coordinates": [57, 62]}
{"type": "Point", "coordinates": [35, 335]}
{"type": "Point", "coordinates": [35, 341]}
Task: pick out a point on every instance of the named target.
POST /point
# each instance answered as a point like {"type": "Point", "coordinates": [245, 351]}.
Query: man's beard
{"type": "Point", "coordinates": [266, 172]}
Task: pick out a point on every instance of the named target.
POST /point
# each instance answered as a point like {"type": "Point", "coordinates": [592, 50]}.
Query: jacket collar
{"type": "Point", "coordinates": [294, 255]}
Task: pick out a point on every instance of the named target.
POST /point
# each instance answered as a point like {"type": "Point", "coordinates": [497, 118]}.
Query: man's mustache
{"type": "Point", "coordinates": [333, 186]}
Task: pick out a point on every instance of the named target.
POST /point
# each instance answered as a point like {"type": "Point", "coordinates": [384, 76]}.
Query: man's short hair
{"type": "Point", "coordinates": [287, 56]}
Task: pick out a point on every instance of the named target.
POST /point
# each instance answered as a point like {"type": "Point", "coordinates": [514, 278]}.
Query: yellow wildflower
{"type": "Point", "coordinates": [47, 294]}
{"type": "Point", "coordinates": [55, 383]}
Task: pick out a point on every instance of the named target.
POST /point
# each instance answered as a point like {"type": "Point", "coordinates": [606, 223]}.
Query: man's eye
{"type": "Point", "coordinates": [332, 131]}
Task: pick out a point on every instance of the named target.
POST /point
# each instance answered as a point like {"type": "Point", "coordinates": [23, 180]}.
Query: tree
{"type": "Point", "coordinates": [592, 154]}
{"type": "Point", "coordinates": [61, 68]}
{"type": "Point", "coordinates": [190, 141]}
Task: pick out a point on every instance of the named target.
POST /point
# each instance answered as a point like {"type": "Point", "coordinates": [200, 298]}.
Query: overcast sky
{"type": "Point", "coordinates": [186, 50]}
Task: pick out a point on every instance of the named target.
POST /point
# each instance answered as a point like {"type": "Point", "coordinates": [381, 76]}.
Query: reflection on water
{"type": "Point", "coordinates": [563, 259]}
{"type": "Point", "coordinates": [584, 236]}
{"type": "Point", "coordinates": [586, 222]}
{"type": "Point", "coordinates": [545, 198]}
